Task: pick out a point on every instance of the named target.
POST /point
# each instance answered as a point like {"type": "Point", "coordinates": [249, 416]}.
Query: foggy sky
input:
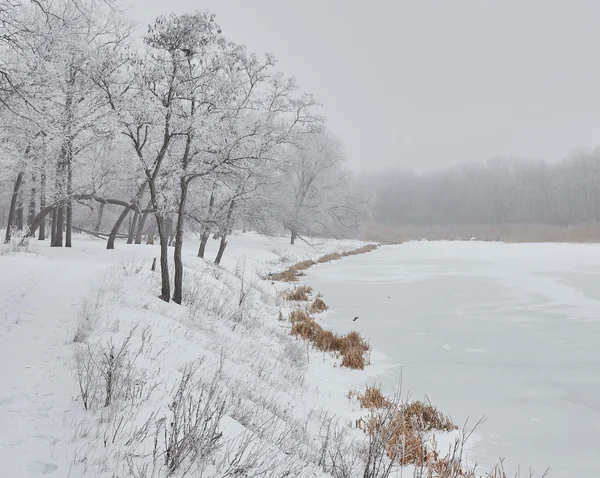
{"type": "Point", "coordinates": [426, 84]}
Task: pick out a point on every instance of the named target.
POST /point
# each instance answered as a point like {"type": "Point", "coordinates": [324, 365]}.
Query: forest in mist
{"type": "Point", "coordinates": [498, 191]}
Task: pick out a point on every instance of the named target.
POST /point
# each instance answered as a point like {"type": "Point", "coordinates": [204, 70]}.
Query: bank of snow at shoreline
{"type": "Point", "coordinates": [101, 378]}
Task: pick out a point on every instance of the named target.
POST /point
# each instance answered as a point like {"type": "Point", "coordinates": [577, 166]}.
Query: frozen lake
{"type": "Point", "coordinates": [509, 331]}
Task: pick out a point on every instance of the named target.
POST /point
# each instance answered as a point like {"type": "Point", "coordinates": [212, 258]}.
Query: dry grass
{"type": "Point", "coordinates": [292, 273]}
{"type": "Point", "coordinates": [288, 275]}
{"type": "Point", "coordinates": [361, 250]}
{"type": "Point", "coordinates": [333, 256]}
{"type": "Point", "coordinates": [351, 346]}
{"type": "Point", "coordinates": [373, 398]}
{"type": "Point", "coordinates": [403, 427]}
{"type": "Point", "coordinates": [317, 305]}
{"type": "Point", "coordinates": [299, 315]}
{"type": "Point", "coordinates": [303, 265]}
{"type": "Point", "coordinates": [299, 294]}
{"type": "Point", "coordinates": [354, 358]}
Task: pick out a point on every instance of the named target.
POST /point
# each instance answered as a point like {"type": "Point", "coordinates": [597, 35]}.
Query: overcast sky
{"type": "Point", "coordinates": [426, 84]}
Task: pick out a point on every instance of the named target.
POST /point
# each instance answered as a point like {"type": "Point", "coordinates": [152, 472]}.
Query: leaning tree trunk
{"type": "Point", "coordinates": [222, 246]}
{"type": "Point", "coordinates": [178, 279]}
{"type": "Point", "coordinates": [226, 229]}
{"type": "Point", "coordinates": [142, 224]}
{"type": "Point", "coordinates": [13, 207]}
{"type": "Point", "coordinates": [206, 227]}
{"type": "Point", "coordinates": [110, 244]}
{"type": "Point", "coordinates": [42, 235]}
{"type": "Point", "coordinates": [20, 214]}
{"type": "Point", "coordinates": [98, 225]}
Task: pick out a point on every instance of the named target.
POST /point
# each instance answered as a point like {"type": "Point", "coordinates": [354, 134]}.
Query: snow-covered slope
{"type": "Point", "coordinates": [75, 321]}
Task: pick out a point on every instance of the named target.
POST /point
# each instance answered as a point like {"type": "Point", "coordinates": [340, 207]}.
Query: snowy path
{"type": "Point", "coordinates": [38, 305]}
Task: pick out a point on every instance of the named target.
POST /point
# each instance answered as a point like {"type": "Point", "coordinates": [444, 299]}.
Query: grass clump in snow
{"type": "Point", "coordinates": [404, 427]}
{"type": "Point", "coordinates": [352, 347]}
{"type": "Point", "coordinates": [299, 294]}
{"type": "Point", "coordinates": [333, 256]}
{"type": "Point", "coordinates": [317, 305]}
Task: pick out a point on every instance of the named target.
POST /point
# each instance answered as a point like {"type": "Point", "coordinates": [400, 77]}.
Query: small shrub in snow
{"type": "Point", "coordinates": [191, 430]}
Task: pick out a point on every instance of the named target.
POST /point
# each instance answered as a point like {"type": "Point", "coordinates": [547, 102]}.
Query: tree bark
{"type": "Point", "coordinates": [13, 207]}
{"type": "Point", "coordinates": [206, 227]}
{"type": "Point", "coordinates": [69, 166]}
{"type": "Point", "coordinates": [42, 235]}
{"type": "Point", "coordinates": [222, 246]}
{"type": "Point", "coordinates": [60, 225]}
{"type": "Point", "coordinates": [20, 218]}
{"type": "Point", "coordinates": [110, 244]}
{"type": "Point", "coordinates": [53, 230]}
{"type": "Point", "coordinates": [293, 238]}
{"type": "Point", "coordinates": [98, 225]}
{"type": "Point", "coordinates": [178, 278]}
{"type": "Point", "coordinates": [165, 289]}
{"type": "Point", "coordinates": [32, 199]}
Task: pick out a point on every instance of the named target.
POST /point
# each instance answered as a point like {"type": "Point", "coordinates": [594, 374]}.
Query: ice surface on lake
{"type": "Point", "coordinates": [509, 331]}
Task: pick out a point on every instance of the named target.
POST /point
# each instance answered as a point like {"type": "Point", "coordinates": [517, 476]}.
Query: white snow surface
{"type": "Point", "coordinates": [509, 331]}
{"type": "Point", "coordinates": [57, 304]}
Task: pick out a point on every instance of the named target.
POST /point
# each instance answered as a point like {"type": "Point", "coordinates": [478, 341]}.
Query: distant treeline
{"type": "Point", "coordinates": [498, 192]}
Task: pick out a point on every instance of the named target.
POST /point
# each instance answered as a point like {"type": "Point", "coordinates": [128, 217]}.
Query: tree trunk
{"type": "Point", "coordinates": [53, 231]}
{"type": "Point", "coordinates": [141, 225]}
{"type": "Point", "coordinates": [222, 246]}
{"type": "Point", "coordinates": [32, 198]}
{"type": "Point", "coordinates": [60, 225]}
{"type": "Point", "coordinates": [226, 228]}
{"type": "Point", "coordinates": [206, 227]}
{"type": "Point", "coordinates": [203, 241]}
{"type": "Point", "coordinates": [13, 207]}
{"type": "Point", "coordinates": [178, 279]}
{"type": "Point", "coordinates": [293, 238]}
{"type": "Point", "coordinates": [20, 218]}
{"type": "Point", "coordinates": [165, 293]}
{"type": "Point", "coordinates": [98, 225]}
{"type": "Point", "coordinates": [42, 235]}
{"type": "Point", "coordinates": [69, 232]}
{"type": "Point", "coordinates": [69, 228]}
{"type": "Point", "coordinates": [110, 244]}
{"type": "Point", "coordinates": [133, 228]}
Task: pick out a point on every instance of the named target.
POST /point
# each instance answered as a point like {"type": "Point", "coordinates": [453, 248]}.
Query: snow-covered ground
{"type": "Point", "coordinates": [67, 313]}
{"type": "Point", "coordinates": [509, 331]}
